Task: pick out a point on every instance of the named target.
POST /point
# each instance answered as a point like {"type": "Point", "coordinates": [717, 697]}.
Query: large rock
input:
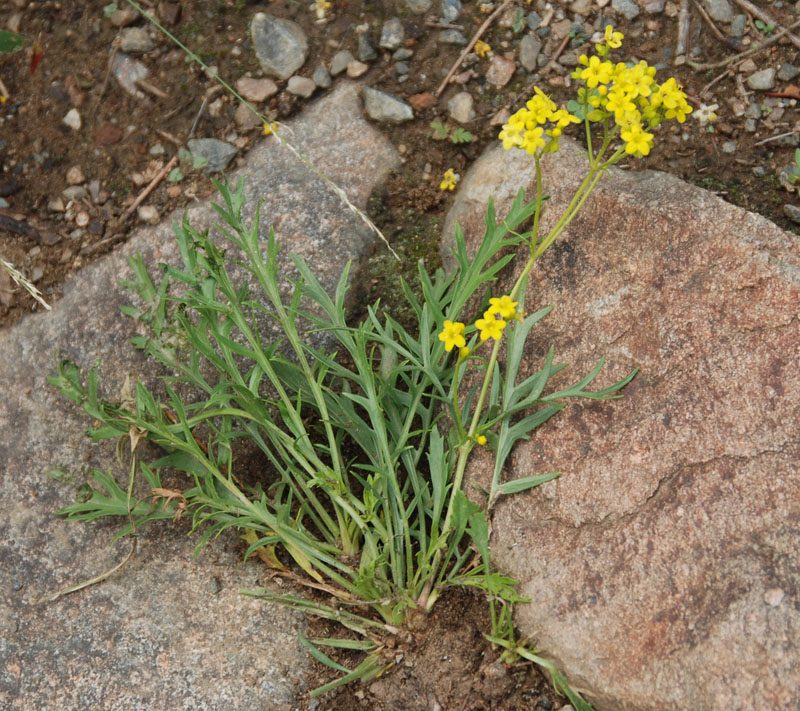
{"type": "Point", "coordinates": [663, 565]}
{"type": "Point", "coordinates": [280, 45]}
{"type": "Point", "coordinates": [165, 632]}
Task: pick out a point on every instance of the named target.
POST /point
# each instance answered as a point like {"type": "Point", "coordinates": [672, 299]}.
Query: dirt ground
{"type": "Point", "coordinates": [125, 140]}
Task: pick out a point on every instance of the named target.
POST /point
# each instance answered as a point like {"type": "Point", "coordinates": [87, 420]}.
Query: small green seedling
{"type": "Point", "coordinates": [766, 28]}
{"type": "Point", "coordinates": [456, 134]}
{"type": "Point", "coordinates": [795, 176]}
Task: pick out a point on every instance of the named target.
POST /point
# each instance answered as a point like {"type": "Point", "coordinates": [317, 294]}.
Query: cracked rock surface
{"type": "Point", "coordinates": [662, 565]}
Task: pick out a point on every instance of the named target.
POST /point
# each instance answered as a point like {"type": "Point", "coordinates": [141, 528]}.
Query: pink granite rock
{"type": "Point", "coordinates": [663, 565]}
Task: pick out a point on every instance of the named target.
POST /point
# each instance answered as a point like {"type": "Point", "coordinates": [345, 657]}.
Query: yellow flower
{"type": "Point", "coordinates": [270, 128]}
{"type": "Point", "coordinates": [596, 72]}
{"type": "Point", "coordinates": [481, 439]}
{"type": "Point", "coordinates": [705, 114]}
{"type": "Point", "coordinates": [482, 48]}
{"type": "Point", "coordinates": [453, 335]}
{"type": "Point", "coordinates": [637, 141]}
{"type": "Point", "coordinates": [464, 352]}
{"type": "Point", "coordinates": [614, 39]}
{"type": "Point", "coordinates": [490, 327]}
{"type": "Point", "coordinates": [450, 180]}
{"type": "Point", "coordinates": [321, 7]}
{"type": "Point", "coordinates": [503, 306]}
{"type": "Point", "coordinates": [3, 99]}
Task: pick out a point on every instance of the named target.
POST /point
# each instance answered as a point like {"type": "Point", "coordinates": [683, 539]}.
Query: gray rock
{"type": "Point", "coordinates": [451, 9]}
{"type": "Point", "coordinates": [135, 40]}
{"type": "Point", "coordinates": [529, 48]}
{"type": "Point", "coordinates": [753, 110]}
{"type": "Point", "coordinates": [381, 106]}
{"type": "Point", "coordinates": [75, 192]}
{"type": "Point", "coordinates": [392, 34]}
{"type": "Point", "coordinates": [165, 642]}
{"type": "Point", "coordinates": [366, 52]}
{"type": "Point", "coordinates": [581, 7]}
{"type": "Point", "coordinates": [280, 45]}
{"type": "Point", "coordinates": [785, 175]}
{"type": "Point", "coordinates": [419, 6]}
{"type": "Point", "coordinates": [301, 86]}
{"type": "Point", "coordinates": [452, 37]}
{"type": "Point", "coordinates": [402, 53]}
{"type": "Point", "coordinates": [792, 212]}
{"type": "Point", "coordinates": [401, 68]}
{"type": "Point", "coordinates": [127, 71]}
{"type": "Point", "coordinates": [216, 152]}
{"type": "Point", "coordinates": [460, 107]}
{"type": "Point", "coordinates": [126, 15]}
{"type": "Point", "coordinates": [738, 24]}
{"type": "Point", "coordinates": [719, 10]}
{"type": "Point", "coordinates": [787, 72]}
{"type": "Point", "coordinates": [763, 80]}
{"type": "Point", "coordinates": [534, 20]}
{"type": "Point", "coordinates": [322, 78]}
{"type": "Point", "coordinates": [627, 8]}
{"type": "Point", "coordinates": [654, 562]}
{"type": "Point", "coordinates": [245, 119]}
{"type": "Point", "coordinates": [750, 125]}
{"type": "Point", "coordinates": [730, 147]}
{"type": "Point", "coordinates": [654, 7]}
{"type": "Point", "coordinates": [340, 61]}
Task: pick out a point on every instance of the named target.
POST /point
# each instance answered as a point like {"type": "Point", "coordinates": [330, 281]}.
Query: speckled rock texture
{"type": "Point", "coordinates": [663, 565]}
{"type": "Point", "coordinates": [165, 632]}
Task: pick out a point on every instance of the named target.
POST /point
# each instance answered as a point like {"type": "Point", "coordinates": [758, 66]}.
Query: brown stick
{"type": "Point", "coordinates": [683, 33]}
{"type": "Point", "coordinates": [154, 90]}
{"type": "Point", "coordinates": [710, 22]}
{"type": "Point", "coordinates": [469, 47]}
{"type": "Point", "coordinates": [738, 57]}
{"type": "Point", "coordinates": [149, 189]}
{"type": "Point", "coordinates": [764, 17]}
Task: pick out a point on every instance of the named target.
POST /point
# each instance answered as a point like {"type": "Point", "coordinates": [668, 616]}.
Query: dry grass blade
{"type": "Point", "coordinates": [23, 281]}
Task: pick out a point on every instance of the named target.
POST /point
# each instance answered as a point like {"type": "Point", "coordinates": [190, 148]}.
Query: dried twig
{"type": "Point", "coordinates": [154, 90]}
{"type": "Point", "coordinates": [551, 63]}
{"type": "Point", "coordinates": [103, 86]}
{"type": "Point", "coordinates": [172, 139]}
{"type": "Point", "coordinates": [742, 55]}
{"type": "Point", "coordinates": [722, 38]}
{"type": "Point", "coordinates": [469, 47]}
{"type": "Point", "coordinates": [4, 91]}
{"type": "Point", "coordinates": [197, 118]}
{"type": "Point", "coordinates": [149, 189]}
{"type": "Point", "coordinates": [764, 17]}
{"type": "Point", "coordinates": [683, 33]}
{"type": "Point", "coordinates": [775, 138]}
{"type": "Point", "coordinates": [444, 26]}
{"type": "Point", "coordinates": [704, 91]}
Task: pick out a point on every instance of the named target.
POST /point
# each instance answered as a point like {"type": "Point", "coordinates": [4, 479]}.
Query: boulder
{"type": "Point", "coordinates": [662, 565]}
{"type": "Point", "coordinates": [165, 631]}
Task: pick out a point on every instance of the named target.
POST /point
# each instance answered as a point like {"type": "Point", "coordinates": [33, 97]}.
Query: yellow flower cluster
{"type": "Point", "coordinates": [528, 128]}
{"type": "Point", "coordinates": [629, 94]}
{"type": "Point", "coordinates": [490, 325]}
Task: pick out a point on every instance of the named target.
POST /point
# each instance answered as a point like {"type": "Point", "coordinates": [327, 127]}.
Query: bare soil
{"type": "Point", "coordinates": [448, 665]}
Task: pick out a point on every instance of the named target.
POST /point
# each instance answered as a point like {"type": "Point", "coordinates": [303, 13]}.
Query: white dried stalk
{"type": "Point", "coordinates": [23, 281]}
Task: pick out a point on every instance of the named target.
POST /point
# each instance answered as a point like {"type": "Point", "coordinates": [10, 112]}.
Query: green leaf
{"type": "Point", "coordinates": [175, 175]}
{"type": "Point", "coordinates": [461, 135]}
{"type": "Point", "coordinates": [61, 474]}
{"type": "Point", "coordinates": [110, 9]}
{"type": "Point", "coordinates": [10, 41]}
{"type": "Point", "coordinates": [524, 483]}
{"type": "Point", "coordinates": [440, 130]}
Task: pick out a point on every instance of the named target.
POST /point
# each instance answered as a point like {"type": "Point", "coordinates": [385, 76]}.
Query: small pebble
{"type": "Point", "coordinates": [82, 219]}
{"type": "Point", "coordinates": [148, 214]}
{"type": "Point", "coordinates": [56, 205]}
{"type": "Point", "coordinates": [793, 213]}
{"type": "Point", "coordinates": [784, 178]}
{"type": "Point", "coordinates": [36, 274]}
{"type": "Point", "coordinates": [452, 37]}
{"type": "Point", "coordinates": [356, 69]}
{"type": "Point", "coordinates": [763, 80]}
{"type": "Point", "coordinates": [450, 10]}
{"type": "Point", "coordinates": [392, 35]}
{"type": "Point", "coordinates": [301, 86]}
{"type": "Point", "coordinates": [256, 90]}
{"type": "Point", "coordinates": [403, 53]}
{"type": "Point", "coordinates": [787, 72]}
{"type": "Point", "coordinates": [460, 107]}
{"type": "Point", "coordinates": [500, 71]}
{"type": "Point", "coordinates": [214, 585]}
{"type": "Point", "coordinates": [730, 147]}
{"type": "Point", "coordinates": [719, 10]}
{"type": "Point", "coordinates": [73, 120]}
{"type": "Point", "coordinates": [135, 40]}
{"type": "Point", "coordinates": [340, 61]}
{"type": "Point", "coordinates": [321, 77]}
{"type": "Point", "coordinates": [737, 26]}
{"type": "Point", "coordinates": [157, 150]}
{"type": "Point", "coordinates": [534, 20]}
{"type": "Point", "coordinates": [366, 52]}
{"type": "Point", "coordinates": [75, 175]}
{"type": "Point", "coordinates": [401, 68]}
{"type": "Point", "coordinates": [75, 192]}
{"type": "Point", "coordinates": [626, 8]}
{"type": "Point", "coordinates": [124, 16]}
